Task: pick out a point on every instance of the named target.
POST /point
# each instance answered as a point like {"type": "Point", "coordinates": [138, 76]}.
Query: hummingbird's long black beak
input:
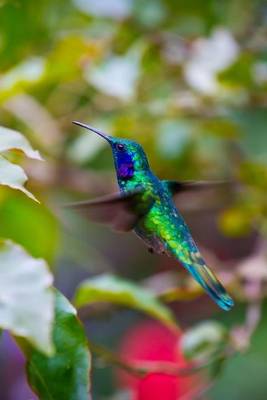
{"type": "Point", "coordinates": [90, 128]}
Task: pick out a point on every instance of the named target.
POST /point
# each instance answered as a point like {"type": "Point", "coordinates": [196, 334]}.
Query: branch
{"type": "Point", "coordinates": [241, 335]}
{"type": "Point", "coordinates": [142, 368]}
{"type": "Point", "coordinates": [197, 392]}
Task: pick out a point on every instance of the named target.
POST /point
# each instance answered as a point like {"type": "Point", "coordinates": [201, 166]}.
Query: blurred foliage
{"type": "Point", "coordinates": [204, 340]}
{"type": "Point", "coordinates": [21, 220]}
{"type": "Point", "coordinates": [186, 79]}
{"type": "Point", "coordinates": [12, 175]}
{"type": "Point", "coordinates": [49, 376]}
{"type": "Point", "coordinates": [22, 279]}
{"type": "Point", "coordinates": [111, 289]}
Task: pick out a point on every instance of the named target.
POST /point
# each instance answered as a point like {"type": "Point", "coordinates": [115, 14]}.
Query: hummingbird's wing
{"type": "Point", "coordinates": [176, 187]}
{"type": "Point", "coordinates": [213, 194]}
{"type": "Point", "coordinates": [119, 210]}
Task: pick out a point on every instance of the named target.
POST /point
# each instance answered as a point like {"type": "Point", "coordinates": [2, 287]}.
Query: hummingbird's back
{"type": "Point", "coordinates": [164, 229]}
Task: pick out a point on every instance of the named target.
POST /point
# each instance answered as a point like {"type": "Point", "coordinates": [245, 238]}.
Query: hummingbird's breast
{"type": "Point", "coordinates": [164, 228]}
{"type": "Point", "coordinates": [140, 179]}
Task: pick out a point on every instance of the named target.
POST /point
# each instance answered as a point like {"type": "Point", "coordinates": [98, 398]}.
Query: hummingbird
{"type": "Point", "coordinates": [145, 204]}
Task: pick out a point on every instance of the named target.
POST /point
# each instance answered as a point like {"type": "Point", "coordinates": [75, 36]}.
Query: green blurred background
{"type": "Point", "coordinates": [186, 79]}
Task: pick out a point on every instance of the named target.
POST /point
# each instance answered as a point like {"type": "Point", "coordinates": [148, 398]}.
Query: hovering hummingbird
{"type": "Point", "coordinates": [145, 205]}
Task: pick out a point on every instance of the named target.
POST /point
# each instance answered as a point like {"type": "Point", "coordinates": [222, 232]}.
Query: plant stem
{"type": "Point", "coordinates": [142, 368]}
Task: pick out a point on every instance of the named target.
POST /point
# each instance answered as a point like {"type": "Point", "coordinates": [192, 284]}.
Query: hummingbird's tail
{"type": "Point", "coordinates": [210, 284]}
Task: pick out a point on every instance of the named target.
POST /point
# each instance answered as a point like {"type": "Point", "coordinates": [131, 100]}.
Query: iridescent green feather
{"type": "Point", "coordinates": [164, 229]}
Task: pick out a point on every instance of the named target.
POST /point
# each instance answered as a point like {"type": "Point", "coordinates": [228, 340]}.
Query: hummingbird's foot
{"type": "Point", "coordinates": [153, 251]}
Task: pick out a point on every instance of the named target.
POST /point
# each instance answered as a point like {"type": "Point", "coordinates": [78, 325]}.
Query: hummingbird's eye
{"type": "Point", "coordinates": [120, 147]}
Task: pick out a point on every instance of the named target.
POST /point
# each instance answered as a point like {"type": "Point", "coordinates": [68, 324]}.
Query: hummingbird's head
{"type": "Point", "coordinates": [129, 156]}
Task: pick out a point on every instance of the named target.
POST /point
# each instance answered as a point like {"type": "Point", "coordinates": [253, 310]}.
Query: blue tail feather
{"type": "Point", "coordinates": [211, 285]}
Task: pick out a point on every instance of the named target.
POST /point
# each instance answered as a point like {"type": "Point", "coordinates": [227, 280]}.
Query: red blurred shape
{"type": "Point", "coordinates": [150, 341]}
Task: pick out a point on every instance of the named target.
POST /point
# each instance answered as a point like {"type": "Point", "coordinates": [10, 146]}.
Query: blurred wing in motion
{"type": "Point", "coordinates": [176, 187]}
{"type": "Point", "coordinates": [121, 211]}
{"type": "Point", "coordinates": [201, 195]}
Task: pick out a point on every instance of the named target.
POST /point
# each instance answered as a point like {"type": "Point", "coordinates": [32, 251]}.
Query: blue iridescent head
{"type": "Point", "coordinates": [129, 156]}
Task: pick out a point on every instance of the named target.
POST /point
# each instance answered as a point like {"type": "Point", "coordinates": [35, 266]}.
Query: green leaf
{"type": "Point", "coordinates": [118, 76]}
{"type": "Point", "coordinates": [173, 137]}
{"type": "Point", "coordinates": [252, 120]}
{"type": "Point", "coordinates": [204, 340]}
{"type": "Point", "coordinates": [236, 221]}
{"type": "Point", "coordinates": [149, 13]}
{"type": "Point", "coordinates": [109, 288]}
{"type": "Point", "coordinates": [10, 174]}
{"type": "Point", "coordinates": [13, 176]}
{"type": "Point", "coordinates": [22, 76]}
{"type": "Point", "coordinates": [116, 9]}
{"type": "Point", "coordinates": [26, 299]}
{"type": "Point", "coordinates": [65, 375]}
{"type": "Point", "coordinates": [41, 237]}
{"type": "Point", "coordinates": [13, 140]}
